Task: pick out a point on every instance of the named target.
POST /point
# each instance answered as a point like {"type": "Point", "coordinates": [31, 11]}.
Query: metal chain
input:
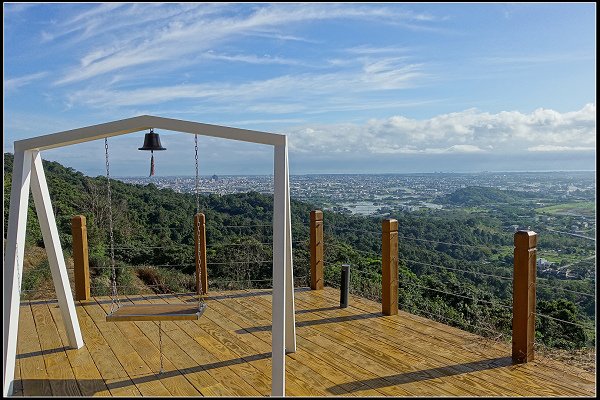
{"type": "Point", "coordinates": [115, 303]}
{"type": "Point", "coordinates": [197, 191]}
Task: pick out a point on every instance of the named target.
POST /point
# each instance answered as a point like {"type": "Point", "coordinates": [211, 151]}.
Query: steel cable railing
{"type": "Point", "coordinates": [237, 246]}
{"type": "Point", "coordinates": [338, 245]}
{"type": "Point", "coordinates": [463, 322]}
{"type": "Point", "coordinates": [508, 278]}
{"type": "Point", "coordinates": [373, 277]}
{"type": "Point", "coordinates": [563, 289]}
{"type": "Point", "coordinates": [333, 227]}
{"type": "Point", "coordinates": [479, 247]}
{"type": "Point", "coordinates": [566, 322]}
{"type": "Point", "coordinates": [474, 299]}
{"type": "Point", "coordinates": [435, 265]}
{"type": "Point", "coordinates": [369, 275]}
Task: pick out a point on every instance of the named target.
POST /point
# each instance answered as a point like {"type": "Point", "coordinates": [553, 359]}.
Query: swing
{"type": "Point", "coordinates": [150, 312]}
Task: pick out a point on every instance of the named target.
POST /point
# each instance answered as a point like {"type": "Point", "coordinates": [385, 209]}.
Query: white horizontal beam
{"type": "Point", "coordinates": [224, 132]}
{"type": "Point", "coordinates": [143, 122]}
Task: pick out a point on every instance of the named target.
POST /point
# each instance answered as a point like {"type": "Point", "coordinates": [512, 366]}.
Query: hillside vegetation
{"type": "Point", "coordinates": [455, 266]}
{"type": "Point", "coordinates": [478, 195]}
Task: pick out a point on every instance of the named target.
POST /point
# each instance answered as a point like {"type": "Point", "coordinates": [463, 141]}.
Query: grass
{"type": "Point", "coordinates": [585, 208]}
{"type": "Point", "coordinates": [164, 280]}
{"type": "Point", "coordinates": [37, 277]}
{"type": "Point", "coordinates": [501, 252]}
{"type": "Point", "coordinates": [562, 258]}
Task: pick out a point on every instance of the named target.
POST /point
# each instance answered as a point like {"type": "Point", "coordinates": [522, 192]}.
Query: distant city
{"type": "Point", "coordinates": [563, 202]}
{"type": "Point", "coordinates": [372, 194]}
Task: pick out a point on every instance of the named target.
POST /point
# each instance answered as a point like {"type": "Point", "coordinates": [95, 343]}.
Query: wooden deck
{"type": "Point", "coordinates": [341, 352]}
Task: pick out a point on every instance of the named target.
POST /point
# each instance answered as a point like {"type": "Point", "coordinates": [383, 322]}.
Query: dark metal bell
{"type": "Point", "coordinates": [152, 142]}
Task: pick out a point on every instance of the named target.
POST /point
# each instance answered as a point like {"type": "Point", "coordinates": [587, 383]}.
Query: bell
{"type": "Point", "coordinates": [152, 142]}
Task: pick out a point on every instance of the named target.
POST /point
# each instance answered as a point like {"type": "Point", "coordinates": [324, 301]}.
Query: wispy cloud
{"type": "Point", "coordinates": [13, 84]}
{"type": "Point", "coordinates": [14, 8]}
{"type": "Point", "coordinates": [280, 36]}
{"type": "Point", "coordinates": [265, 121]}
{"type": "Point", "coordinates": [383, 74]}
{"type": "Point", "coordinates": [163, 35]}
{"type": "Point", "coordinates": [128, 20]}
{"type": "Point", "coordinates": [535, 58]}
{"type": "Point", "coordinates": [369, 50]}
{"type": "Point", "coordinates": [253, 59]}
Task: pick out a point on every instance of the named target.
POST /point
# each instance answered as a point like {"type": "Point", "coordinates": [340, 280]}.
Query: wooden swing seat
{"type": "Point", "coordinates": [157, 312]}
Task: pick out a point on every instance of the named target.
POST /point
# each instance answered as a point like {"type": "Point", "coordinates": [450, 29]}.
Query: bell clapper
{"type": "Point", "coordinates": [152, 163]}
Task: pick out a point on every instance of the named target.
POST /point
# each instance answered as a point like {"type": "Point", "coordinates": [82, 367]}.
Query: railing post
{"type": "Point", "coordinates": [523, 324]}
{"type": "Point", "coordinates": [316, 250]}
{"type": "Point", "coordinates": [80, 258]}
{"type": "Point", "coordinates": [389, 265]}
{"type": "Point", "coordinates": [200, 244]}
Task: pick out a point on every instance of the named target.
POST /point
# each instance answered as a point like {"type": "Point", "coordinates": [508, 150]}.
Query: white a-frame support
{"type": "Point", "coordinates": [56, 259]}
{"type": "Point", "coordinates": [13, 262]}
{"type": "Point", "coordinates": [284, 329]}
{"type": "Point", "coordinates": [28, 173]}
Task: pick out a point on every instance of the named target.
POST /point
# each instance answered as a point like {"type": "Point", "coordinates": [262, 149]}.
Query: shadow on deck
{"type": "Point", "coordinates": [354, 351]}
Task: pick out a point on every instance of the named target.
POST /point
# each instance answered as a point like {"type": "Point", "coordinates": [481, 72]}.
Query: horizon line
{"type": "Point", "coordinates": [369, 173]}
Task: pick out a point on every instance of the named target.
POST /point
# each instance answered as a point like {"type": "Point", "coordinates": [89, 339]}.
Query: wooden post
{"type": "Point", "coordinates": [523, 325]}
{"type": "Point", "coordinates": [200, 243]}
{"type": "Point", "coordinates": [389, 265]}
{"type": "Point", "coordinates": [80, 258]}
{"type": "Point", "coordinates": [316, 250]}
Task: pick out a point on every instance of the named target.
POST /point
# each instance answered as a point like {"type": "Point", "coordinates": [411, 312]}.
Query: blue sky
{"type": "Point", "coordinates": [358, 88]}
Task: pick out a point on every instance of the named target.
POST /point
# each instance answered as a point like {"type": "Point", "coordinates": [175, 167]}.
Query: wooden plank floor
{"type": "Point", "coordinates": [354, 351]}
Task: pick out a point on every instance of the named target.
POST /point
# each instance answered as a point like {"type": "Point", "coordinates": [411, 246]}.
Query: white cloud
{"type": "Point", "coordinates": [552, 148]}
{"type": "Point", "coordinates": [469, 131]}
{"type": "Point", "coordinates": [464, 148]}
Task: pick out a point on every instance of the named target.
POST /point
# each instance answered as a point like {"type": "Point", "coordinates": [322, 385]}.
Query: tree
{"type": "Point", "coordinates": [556, 333]}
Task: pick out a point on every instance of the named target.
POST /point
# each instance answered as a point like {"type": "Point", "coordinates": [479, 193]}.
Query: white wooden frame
{"type": "Point", "coordinates": [28, 172]}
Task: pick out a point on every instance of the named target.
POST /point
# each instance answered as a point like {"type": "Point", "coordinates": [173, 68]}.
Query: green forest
{"type": "Point", "coordinates": [455, 266]}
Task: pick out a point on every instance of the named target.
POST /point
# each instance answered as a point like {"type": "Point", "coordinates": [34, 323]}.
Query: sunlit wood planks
{"type": "Point", "coordinates": [354, 351]}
